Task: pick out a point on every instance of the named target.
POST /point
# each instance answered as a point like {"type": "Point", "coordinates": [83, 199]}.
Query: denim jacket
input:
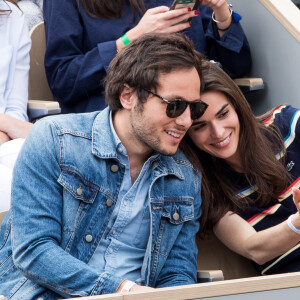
{"type": "Point", "coordinates": [65, 186]}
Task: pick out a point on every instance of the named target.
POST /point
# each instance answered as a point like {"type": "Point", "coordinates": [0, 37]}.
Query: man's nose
{"type": "Point", "coordinates": [185, 119]}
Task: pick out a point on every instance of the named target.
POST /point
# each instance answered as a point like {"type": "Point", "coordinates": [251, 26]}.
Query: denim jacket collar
{"type": "Point", "coordinates": [103, 146]}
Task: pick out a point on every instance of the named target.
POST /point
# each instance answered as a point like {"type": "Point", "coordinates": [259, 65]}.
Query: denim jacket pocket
{"type": "Point", "coordinates": [178, 210]}
{"type": "Point", "coordinates": [78, 186]}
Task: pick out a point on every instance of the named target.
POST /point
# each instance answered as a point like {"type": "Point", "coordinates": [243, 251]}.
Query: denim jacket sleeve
{"type": "Point", "coordinates": [180, 267]}
{"type": "Point", "coordinates": [37, 226]}
{"type": "Point", "coordinates": [73, 69]}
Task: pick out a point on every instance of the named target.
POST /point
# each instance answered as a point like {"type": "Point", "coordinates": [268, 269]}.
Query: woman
{"type": "Point", "coordinates": [84, 35]}
{"type": "Point", "coordinates": [250, 174]}
{"type": "Point", "coordinates": [14, 66]}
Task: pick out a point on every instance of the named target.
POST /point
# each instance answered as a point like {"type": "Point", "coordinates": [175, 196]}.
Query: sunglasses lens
{"type": "Point", "coordinates": [197, 109]}
{"type": "Point", "coordinates": [176, 108]}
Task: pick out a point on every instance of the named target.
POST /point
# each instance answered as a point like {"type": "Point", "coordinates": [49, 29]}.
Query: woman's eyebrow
{"type": "Point", "coordinates": [222, 108]}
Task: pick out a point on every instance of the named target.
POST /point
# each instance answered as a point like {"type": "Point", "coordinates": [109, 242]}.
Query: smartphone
{"type": "Point", "coordinates": [193, 4]}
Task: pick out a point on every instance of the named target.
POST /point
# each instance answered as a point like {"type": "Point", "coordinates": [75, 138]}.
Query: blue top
{"type": "Point", "coordinates": [122, 249]}
{"type": "Point", "coordinates": [287, 119]}
{"type": "Point", "coordinates": [80, 48]}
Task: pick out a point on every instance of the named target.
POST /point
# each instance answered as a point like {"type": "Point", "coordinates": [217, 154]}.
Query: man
{"type": "Point", "coordinates": [103, 202]}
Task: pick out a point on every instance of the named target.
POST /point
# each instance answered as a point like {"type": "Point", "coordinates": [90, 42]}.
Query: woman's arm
{"type": "Point", "coordinates": [260, 246]}
{"type": "Point", "coordinates": [229, 47]}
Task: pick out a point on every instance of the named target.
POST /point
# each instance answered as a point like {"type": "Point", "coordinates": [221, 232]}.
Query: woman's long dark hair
{"type": "Point", "coordinates": [110, 9]}
{"type": "Point", "coordinates": [257, 144]}
{"type": "Point", "coordinates": [8, 10]}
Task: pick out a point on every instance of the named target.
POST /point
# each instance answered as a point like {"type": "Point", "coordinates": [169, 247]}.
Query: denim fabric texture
{"type": "Point", "coordinates": [123, 246]}
{"type": "Point", "coordinates": [65, 187]}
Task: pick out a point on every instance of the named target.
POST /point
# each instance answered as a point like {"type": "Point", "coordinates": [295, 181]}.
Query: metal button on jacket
{"type": "Point", "coordinates": [79, 191]}
{"type": "Point", "coordinates": [114, 168]}
{"type": "Point", "coordinates": [176, 215]}
{"type": "Point", "coordinates": [88, 238]}
{"type": "Point", "coordinates": [108, 203]}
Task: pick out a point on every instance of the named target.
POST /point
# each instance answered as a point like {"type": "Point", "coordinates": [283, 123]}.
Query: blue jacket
{"type": "Point", "coordinates": [63, 196]}
{"type": "Point", "coordinates": [80, 48]}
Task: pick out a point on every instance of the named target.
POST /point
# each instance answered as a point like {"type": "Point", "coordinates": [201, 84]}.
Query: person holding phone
{"type": "Point", "coordinates": [83, 37]}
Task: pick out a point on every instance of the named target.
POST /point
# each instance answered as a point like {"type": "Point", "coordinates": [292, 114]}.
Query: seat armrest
{"type": "Point", "coordinates": [249, 84]}
{"type": "Point", "coordinates": [209, 275]}
{"type": "Point", "coordinates": [41, 108]}
{"type": "Point", "coordinates": [2, 216]}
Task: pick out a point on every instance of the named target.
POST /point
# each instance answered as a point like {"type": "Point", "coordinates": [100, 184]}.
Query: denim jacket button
{"type": "Point", "coordinates": [176, 216]}
{"type": "Point", "coordinates": [108, 203]}
{"type": "Point", "coordinates": [79, 191]}
{"type": "Point", "coordinates": [114, 168]}
{"type": "Point", "coordinates": [88, 238]}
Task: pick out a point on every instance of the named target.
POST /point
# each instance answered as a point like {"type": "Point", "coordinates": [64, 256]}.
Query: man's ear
{"type": "Point", "coordinates": [126, 98]}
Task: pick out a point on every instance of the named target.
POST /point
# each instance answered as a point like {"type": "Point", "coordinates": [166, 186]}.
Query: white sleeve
{"type": "Point", "coordinates": [18, 94]}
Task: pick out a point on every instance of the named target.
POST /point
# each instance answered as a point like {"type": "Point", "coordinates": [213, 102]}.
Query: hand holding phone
{"type": "Point", "coordinates": [193, 4]}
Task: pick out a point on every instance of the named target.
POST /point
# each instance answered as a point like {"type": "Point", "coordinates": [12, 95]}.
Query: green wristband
{"type": "Point", "coordinates": [125, 39]}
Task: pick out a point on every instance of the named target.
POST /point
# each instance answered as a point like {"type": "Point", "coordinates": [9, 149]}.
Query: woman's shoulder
{"type": "Point", "coordinates": [285, 114]}
{"type": "Point", "coordinates": [280, 114]}
{"type": "Point", "coordinates": [287, 119]}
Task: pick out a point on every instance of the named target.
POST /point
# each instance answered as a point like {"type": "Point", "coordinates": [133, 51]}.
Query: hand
{"type": "Point", "coordinates": [140, 288]}
{"type": "Point", "coordinates": [13, 127]}
{"type": "Point", "coordinates": [162, 20]}
{"type": "Point", "coordinates": [136, 287]}
{"type": "Point", "coordinates": [4, 137]}
{"type": "Point", "coordinates": [296, 199]}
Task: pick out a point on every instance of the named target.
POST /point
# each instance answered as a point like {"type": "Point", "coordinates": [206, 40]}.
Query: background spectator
{"type": "Point", "coordinates": [83, 36]}
{"type": "Point", "coordinates": [14, 67]}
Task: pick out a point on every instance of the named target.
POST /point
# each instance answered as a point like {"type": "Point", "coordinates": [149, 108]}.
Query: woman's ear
{"type": "Point", "coordinates": [126, 97]}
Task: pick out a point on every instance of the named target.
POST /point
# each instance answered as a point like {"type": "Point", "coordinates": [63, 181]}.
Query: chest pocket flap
{"type": "Point", "coordinates": [77, 186]}
{"type": "Point", "coordinates": [178, 210]}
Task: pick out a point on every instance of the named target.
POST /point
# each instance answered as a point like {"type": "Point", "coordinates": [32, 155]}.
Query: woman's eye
{"type": "Point", "coordinates": [224, 114]}
{"type": "Point", "coordinates": [199, 126]}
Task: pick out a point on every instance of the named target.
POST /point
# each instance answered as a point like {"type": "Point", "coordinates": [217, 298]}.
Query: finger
{"type": "Point", "coordinates": [171, 14]}
{"type": "Point", "coordinates": [182, 19]}
{"type": "Point", "coordinates": [158, 10]}
{"type": "Point", "coordinates": [296, 197]}
{"type": "Point", "coordinates": [178, 27]}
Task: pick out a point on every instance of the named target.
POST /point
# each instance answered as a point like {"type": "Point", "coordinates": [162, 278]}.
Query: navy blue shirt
{"type": "Point", "coordinates": [80, 48]}
{"type": "Point", "coordinates": [287, 119]}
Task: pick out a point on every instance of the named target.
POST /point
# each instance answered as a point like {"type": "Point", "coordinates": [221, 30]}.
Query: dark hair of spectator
{"type": "Point", "coordinates": [141, 62]}
{"type": "Point", "coordinates": [110, 9]}
{"type": "Point", "coordinates": [258, 144]}
{"type": "Point", "coordinates": [8, 10]}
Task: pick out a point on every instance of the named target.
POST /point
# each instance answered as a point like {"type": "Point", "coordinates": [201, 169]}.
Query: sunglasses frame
{"type": "Point", "coordinates": [189, 103]}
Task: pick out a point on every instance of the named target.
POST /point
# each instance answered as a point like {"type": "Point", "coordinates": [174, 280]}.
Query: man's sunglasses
{"type": "Point", "coordinates": [177, 107]}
